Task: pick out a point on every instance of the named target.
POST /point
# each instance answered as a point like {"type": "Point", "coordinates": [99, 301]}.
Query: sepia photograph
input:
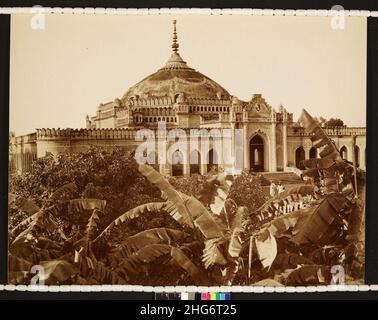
{"type": "Point", "coordinates": [187, 150]}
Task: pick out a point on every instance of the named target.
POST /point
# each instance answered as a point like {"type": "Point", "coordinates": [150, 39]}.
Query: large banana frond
{"type": "Point", "coordinates": [266, 247]}
{"type": "Point", "coordinates": [295, 191]}
{"type": "Point", "coordinates": [132, 265]}
{"type": "Point", "coordinates": [215, 191]}
{"type": "Point", "coordinates": [57, 271]}
{"type": "Point", "coordinates": [63, 193]}
{"type": "Point", "coordinates": [44, 217]}
{"type": "Point", "coordinates": [132, 214]}
{"type": "Point", "coordinates": [185, 263]}
{"type": "Point", "coordinates": [238, 225]}
{"type": "Point", "coordinates": [316, 228]}
{"type": "Point", "coordinates": [211, 253]}
{"type": "Point", "coordinates": [191, 209]}
{"type": "Point", "coordinates": [319, 137]}
{"type": "Point", "coordinates": [79, 205]}
{"type": "Point", "coordinates": [172, 195]}
{"type": "Point", "coordinates": [145, 238]}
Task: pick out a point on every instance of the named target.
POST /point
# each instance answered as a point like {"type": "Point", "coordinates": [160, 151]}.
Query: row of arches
{"type": "Point", "coordinates": [194, 161]}
{"type": "Point", "coordinates": [140, 119]}
{"type": "Point", "coordinates": [209, 109]}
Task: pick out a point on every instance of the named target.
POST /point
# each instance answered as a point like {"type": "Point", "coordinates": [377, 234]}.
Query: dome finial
{"type": "Point", "coordinates": [175, 44]}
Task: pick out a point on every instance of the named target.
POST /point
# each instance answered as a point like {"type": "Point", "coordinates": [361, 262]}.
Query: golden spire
{"type": "Point", "coordinates": [175, 44]}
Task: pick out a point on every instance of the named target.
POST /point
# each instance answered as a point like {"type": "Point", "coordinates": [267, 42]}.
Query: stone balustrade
{"type": "Point", "coordinates": [336, 131]}
{"type": "Point", "coordinates": [163, 101]}
{"type": "Point", "coordinates": [207, 102]}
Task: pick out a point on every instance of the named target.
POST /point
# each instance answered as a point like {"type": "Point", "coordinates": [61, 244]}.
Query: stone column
{"type": "Point", "coordinates": [273, 145]}
{"type": "Point", "coordinates": [164, 166]}
{"type": "Point", "coordinates": [307, 151]}
{"type": "Point", "coordinates": [220, 144]}
{"type": "Point", "coordinates": [233, 154]}
{"type": "Point", "coordinates": [246, 147]}
{"type": "Point", "coordinates": [186, 165]}
{"type": "Point", "coordinates": [284, 144]}
{"type": "Point", "coordinates": [362, 158]}
{"type": "Point", "coordinates": [350, 150]}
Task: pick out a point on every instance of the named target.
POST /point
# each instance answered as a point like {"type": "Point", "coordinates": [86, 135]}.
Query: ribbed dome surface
{"type": "Point", "coordinates": [176, 78]}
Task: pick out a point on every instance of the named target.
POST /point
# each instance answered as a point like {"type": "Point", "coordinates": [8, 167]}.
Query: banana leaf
{"type": "Point", "coordinates": [319, 137]}
{"type": "Point", "coordinates": [191, 209]}
{"type": "Point", "coordinates": [145, 238]}
{"type": "Point", "coordinates": [185, 263]}
{"type": "Point", "coordinates": [132, 265]}
{"type": "Point", "coordinates": [302, 190]}
{"type": "Point", "coordinates": [29, 206]}
{"type": "Point", "coordinates": [320, 217]}
{"type": "Point", "coordinates": [211, 253]}
{"type": "Point", "coordinates": [132, 214]}
{"type": "Point", "coordinates": [79, 205]}
{"type": "Point", "coordinates": [57, 271]}
{"type": "Point", "coordinates": [16, 263]}
{"type": "Point", "coordinates": [266, 247]}
{"type": "Point", "coordinates": [63, 193]}
{"type": "Point", "coordinates": [172, 195]}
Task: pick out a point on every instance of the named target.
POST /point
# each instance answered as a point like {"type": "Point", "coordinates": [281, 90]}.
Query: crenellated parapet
{"type": "Point", "coordinates": [86, 134]}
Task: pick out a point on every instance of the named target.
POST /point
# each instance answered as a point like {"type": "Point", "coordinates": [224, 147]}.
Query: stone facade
{"type": "Point", "coordinates": [184, 98]}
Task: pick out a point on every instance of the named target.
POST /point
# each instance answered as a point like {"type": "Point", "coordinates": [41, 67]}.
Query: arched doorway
{"type": "Point", "coordinates": [357, 155]}
{"type": "Point", "coordinates": [344, 153]}
{"type": "Point", "coordinates": [177, 163]}
{"type": "Point", "coordinates": [299, 156]}
{"type": "Point", "coordinates": [313, 153]}
{"type": "Point", "coordinates": [256, 154]}
{"type": "Point", "coordinates": [195, 161]}
{"type": "Point", "coordinates": [212, 160]}
{"type": "Point", "coordinates": [152, 160]}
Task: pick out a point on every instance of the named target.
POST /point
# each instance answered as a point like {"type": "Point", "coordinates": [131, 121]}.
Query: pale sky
{"type": "Point", "coordinates": [62, 73]}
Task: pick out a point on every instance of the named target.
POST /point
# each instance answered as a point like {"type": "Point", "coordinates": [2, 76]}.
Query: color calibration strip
{"type": "Point", "coordinates": [215, 296]}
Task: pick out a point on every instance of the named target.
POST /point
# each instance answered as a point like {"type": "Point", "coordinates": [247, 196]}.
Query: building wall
{"type": "Point", "coordinates": [24, 150]}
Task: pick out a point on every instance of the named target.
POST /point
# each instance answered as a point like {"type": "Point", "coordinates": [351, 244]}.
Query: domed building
{"type": "Point", "coordinates": [265, 138]}
{"type": "Point", "coordinates": [176, 94]}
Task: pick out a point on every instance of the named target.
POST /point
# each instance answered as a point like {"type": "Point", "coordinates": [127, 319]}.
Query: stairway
{"type": "Point", "coordinates": [283, 177]}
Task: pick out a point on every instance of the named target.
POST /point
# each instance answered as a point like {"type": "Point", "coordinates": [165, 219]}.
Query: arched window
{"type": "Point", "coordinates": [256, 153]}
{"type": "Point", "coordinates": [344, 153]}
{"type": "Point", "coordinates": [212, 160]}
{"type": "Point", "coordinates": [177, 163]}
{"type": "Point", "coordinates": [195, 162]}
{"type": "Point", "coordinates": [299, 156]}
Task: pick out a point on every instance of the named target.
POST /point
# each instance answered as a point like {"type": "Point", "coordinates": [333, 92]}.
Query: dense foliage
{"type": "Point", "coordinates": [97, 217]}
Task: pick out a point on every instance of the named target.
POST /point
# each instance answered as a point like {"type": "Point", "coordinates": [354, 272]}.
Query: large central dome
{"type": "Point", "coordinates": [176, 77]}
